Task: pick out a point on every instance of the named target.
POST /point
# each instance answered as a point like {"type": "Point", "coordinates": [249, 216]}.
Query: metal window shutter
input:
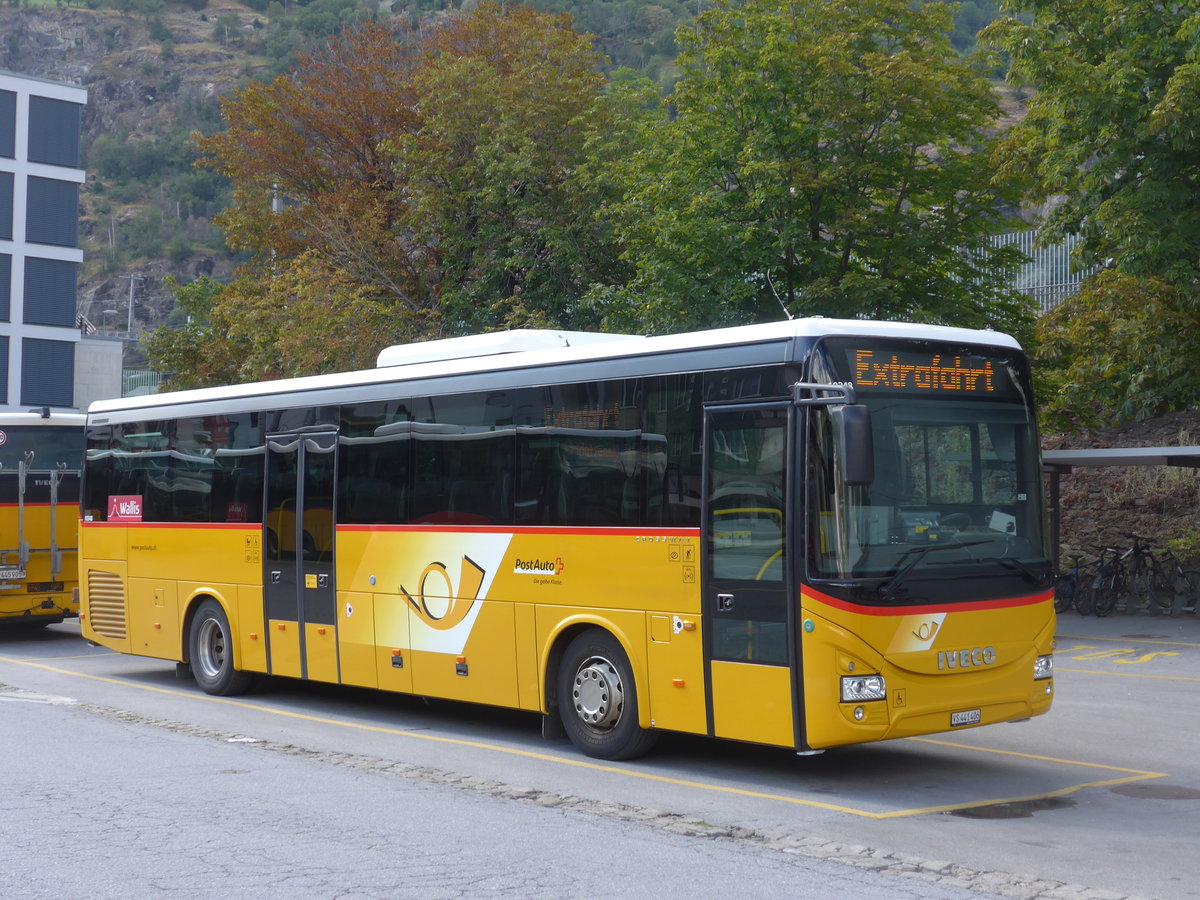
{"type": "Point", "coordinates": [47, 372]}
{"type": "Point", "coordinates": [8, 124]}
{"type": "Point", "coordinates": [54, 132]}
{"type": "Point", "coordinates": [52, 212]}
{"type": "Point", "coordinates": [49, 292]}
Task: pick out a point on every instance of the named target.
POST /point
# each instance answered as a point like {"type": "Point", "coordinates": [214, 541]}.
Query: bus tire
{"type": "Point", "coordinates": [597, 698]}
{"type": "Point", "coordinates": [210, 652]}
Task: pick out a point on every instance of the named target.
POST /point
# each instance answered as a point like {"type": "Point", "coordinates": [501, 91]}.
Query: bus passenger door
{"type": "Point", "coordinates": [746, 599]}
{"type": "Point", "coordinates": [298, 578]}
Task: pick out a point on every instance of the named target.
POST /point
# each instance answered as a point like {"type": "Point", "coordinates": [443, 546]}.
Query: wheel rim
{"type": "Point", "coordinates": [598, 694]}
{"type": "Point", "coordinates": [210, 649]}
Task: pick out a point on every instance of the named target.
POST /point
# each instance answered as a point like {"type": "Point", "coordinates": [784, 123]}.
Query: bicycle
{"type": "Point", "coordinates": [1174, 586]}
{"type": "Point", "coordinates": [1108, 583]}
{"type": "Point", "coordinates": [1069, 584]}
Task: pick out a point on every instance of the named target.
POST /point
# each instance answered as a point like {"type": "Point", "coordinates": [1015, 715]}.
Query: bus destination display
{"type": "Point", "coordinates": [948, 373]}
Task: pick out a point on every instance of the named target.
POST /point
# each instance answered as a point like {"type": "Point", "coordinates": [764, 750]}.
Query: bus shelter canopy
{"type": "Point", "coordinates": [1066, 460]}
{"type": "Point", "coordinates": [1058, 462]}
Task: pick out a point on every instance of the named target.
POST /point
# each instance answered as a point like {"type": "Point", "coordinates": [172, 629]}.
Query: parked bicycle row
{"type": "Point", "coordinates": [1134, 579]}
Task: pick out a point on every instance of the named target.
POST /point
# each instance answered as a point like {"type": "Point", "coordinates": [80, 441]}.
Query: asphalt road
{"type": "Point", "coordinates": [137, 784]}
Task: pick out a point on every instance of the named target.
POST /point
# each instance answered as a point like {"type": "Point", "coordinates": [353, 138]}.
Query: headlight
{"type": "Point", "coordinates": [1043, 668]}
{"type": "Point", "coordinates": [856, 688]}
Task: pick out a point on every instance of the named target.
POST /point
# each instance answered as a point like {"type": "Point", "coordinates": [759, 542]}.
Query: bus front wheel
{"type": "Point", "coordinates": [210, 646]}
{"type": "Point", "coordinates": [597, 698]}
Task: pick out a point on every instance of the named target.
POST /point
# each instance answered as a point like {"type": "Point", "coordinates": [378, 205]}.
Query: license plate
{"type": "Point", "coordinates": [966, 717]}
{"type": "Point", "coordinates": [11, 573]}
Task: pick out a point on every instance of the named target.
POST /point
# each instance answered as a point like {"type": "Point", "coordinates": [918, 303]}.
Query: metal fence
{"type": "Point", "coordinates": [139, 382]}
{"type": "Point", "coordinates": [1049, 276]}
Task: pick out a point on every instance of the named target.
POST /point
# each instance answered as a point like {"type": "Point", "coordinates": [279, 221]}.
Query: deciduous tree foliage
{"type": "Point", "coordinates": [824, 158]}
{"type": "Point", "coordinates": [510, 98]}
{"type": "Point", "coordinates": [1111, 134]}
{"type": "Point", "coordinates": [1112, 128]}
{"type": "Point", "coordinates": [1111, 352]}
{"type": "Point", "coordinates": [431, 182]}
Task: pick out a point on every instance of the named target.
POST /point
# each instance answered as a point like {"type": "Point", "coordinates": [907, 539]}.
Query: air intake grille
{"type": "Point", "coordinates": [106, 603]}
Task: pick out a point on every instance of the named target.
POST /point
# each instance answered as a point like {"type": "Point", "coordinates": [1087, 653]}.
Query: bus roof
{"type": "Point", "coordinates": [494, 358]}
{"type": "Point", "coordinates": [52, 419]}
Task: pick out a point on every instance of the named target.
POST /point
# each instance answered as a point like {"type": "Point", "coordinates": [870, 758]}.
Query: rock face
{"type": "Point", "coordinates": [136, 86]}
{"type": "Point", "coordinates": [1105, 505]}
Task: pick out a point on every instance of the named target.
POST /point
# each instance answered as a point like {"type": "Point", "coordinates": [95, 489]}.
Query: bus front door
{"type": "Point", "coordinates": [746, 592]}
{"type": "Point", "coordinates": [298, 576]}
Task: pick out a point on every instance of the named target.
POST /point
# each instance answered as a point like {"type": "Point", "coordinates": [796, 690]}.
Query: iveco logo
{"type": "Point", "coordinates": [966, 659]}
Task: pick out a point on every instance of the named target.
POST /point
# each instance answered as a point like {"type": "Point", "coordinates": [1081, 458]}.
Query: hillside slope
{"type": "Point", "coordinates": [137, 89]}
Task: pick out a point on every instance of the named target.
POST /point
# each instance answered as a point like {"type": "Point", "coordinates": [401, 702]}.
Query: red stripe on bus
{"type": "Point", "coordinates": [241, 526]}
{"type": "Point", "coordinates": [527, 529]}
{"type": "Point", "coordinates": [861, 609]}
{"type": "Point", "coordinates": [438, 529]}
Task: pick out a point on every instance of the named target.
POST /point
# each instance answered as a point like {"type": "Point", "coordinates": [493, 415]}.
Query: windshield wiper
{"type": "Point", "coordinates": [887, 589]}
{"type": "Point", "coordinates": [1011, 562]}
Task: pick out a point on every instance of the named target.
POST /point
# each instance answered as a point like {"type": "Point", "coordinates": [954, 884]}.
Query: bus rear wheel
{"type": "Point", "coordinates": [597, 698]}
{"type": "Point", "coordinates": [210, 652]}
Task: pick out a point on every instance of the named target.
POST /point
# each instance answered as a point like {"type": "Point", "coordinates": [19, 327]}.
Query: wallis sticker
{"type": "Point", "coordinates": [125, 508]}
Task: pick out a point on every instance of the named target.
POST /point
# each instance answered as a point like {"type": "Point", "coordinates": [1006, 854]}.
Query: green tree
{"type": "Point", "coordinates": [441, 177]}
{"type": "Point", "coordinates": [510, 99]}
{"type": "Point", "coordinates": [1112, 352]}
{"type": "Point", "coordinates": [1110, 137]}
{"type": "Point", "coordinates": [311, 176]}
{"type": "Point", "coordinates": [197, 351]}
{"type": "Point", "coordinates": [1112, 128]}
{"type": "Point", "coordinates": [823, 159]}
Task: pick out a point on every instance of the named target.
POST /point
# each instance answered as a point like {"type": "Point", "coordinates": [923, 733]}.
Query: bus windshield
{"type": "Point", "coordinates": [954, 511]}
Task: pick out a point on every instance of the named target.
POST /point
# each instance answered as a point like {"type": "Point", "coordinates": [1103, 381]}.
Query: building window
{"type": "Point", "coordinates": [8, 124]}
{"type": "Point", "coordinates": [54, 132]}
{"type": "Point", "coordinates": [49, 292]}
{"type": "Point", "coordinates": [47, 372]}
{"type": "Point", "coordinates": [4, 369]}
{"type": "Point", "coordinates": [52, 212]}
{"type": "Point", "coordinates": [6, 206]}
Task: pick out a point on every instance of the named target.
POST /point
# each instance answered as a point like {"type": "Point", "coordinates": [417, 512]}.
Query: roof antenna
{"type": "Point", "coordinates": [782, 305]}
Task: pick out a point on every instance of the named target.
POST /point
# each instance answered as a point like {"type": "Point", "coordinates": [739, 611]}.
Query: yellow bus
{"type": "Point", "coordinates": [802, 534]}
{"type": "Point", "coordinates": [40, 457]}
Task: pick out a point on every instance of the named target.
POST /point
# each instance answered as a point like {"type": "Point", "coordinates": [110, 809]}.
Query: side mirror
{"type": "Point", "coordinates": [853, 424]}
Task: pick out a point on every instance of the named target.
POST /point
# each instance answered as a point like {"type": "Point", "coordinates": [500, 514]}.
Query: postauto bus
{"type": "Point", "coordinates": [802, 534]}
{"type": "Point", "coordinates": [40, 457]}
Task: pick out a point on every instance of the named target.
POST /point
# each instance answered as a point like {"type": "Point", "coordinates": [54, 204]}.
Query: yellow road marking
{"type": "Point", "coordinates": [1127, 674]}
{"type": "Point", "coordinates": [1130, 776]}
{"type": "Point", "coordinates": [1128, 640]}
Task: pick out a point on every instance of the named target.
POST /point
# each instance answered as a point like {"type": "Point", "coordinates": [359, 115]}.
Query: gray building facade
{"type": "Point", "coordinates": [40, 180]}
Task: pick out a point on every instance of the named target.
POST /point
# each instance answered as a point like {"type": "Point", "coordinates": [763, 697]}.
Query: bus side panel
{"type": "Point", "coordinates": [285, 648]}
{"type": "Point", "coordinates": [486, 669]}
{"type": "Point", "coordinates": [154, 628]}
{"type": "Point", "coordinates": [675, 666]}
{"type": "Point", "coordinates": [175, 551]}
{"type": "Point", "coordinates": [935, 663]}
{"type": "Point", "coordinates": [103, 611]}
{"type": "Point", "coordinates": [321, 652]}
{"type": "Point", "coordinates": [392, 656]}
{"type": "Point", "coordinates": [251, 630]}
{"type": "Point", "coordinates": [753, 703]}
{"type": "Point", "coordinates": [104, 541]}
{"type": "Point", "coordinates": [472, 594]}
{"type": "Point", "coordinates": [356, 638]}
{"type": "Point", "coordinates": [529, 693]}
